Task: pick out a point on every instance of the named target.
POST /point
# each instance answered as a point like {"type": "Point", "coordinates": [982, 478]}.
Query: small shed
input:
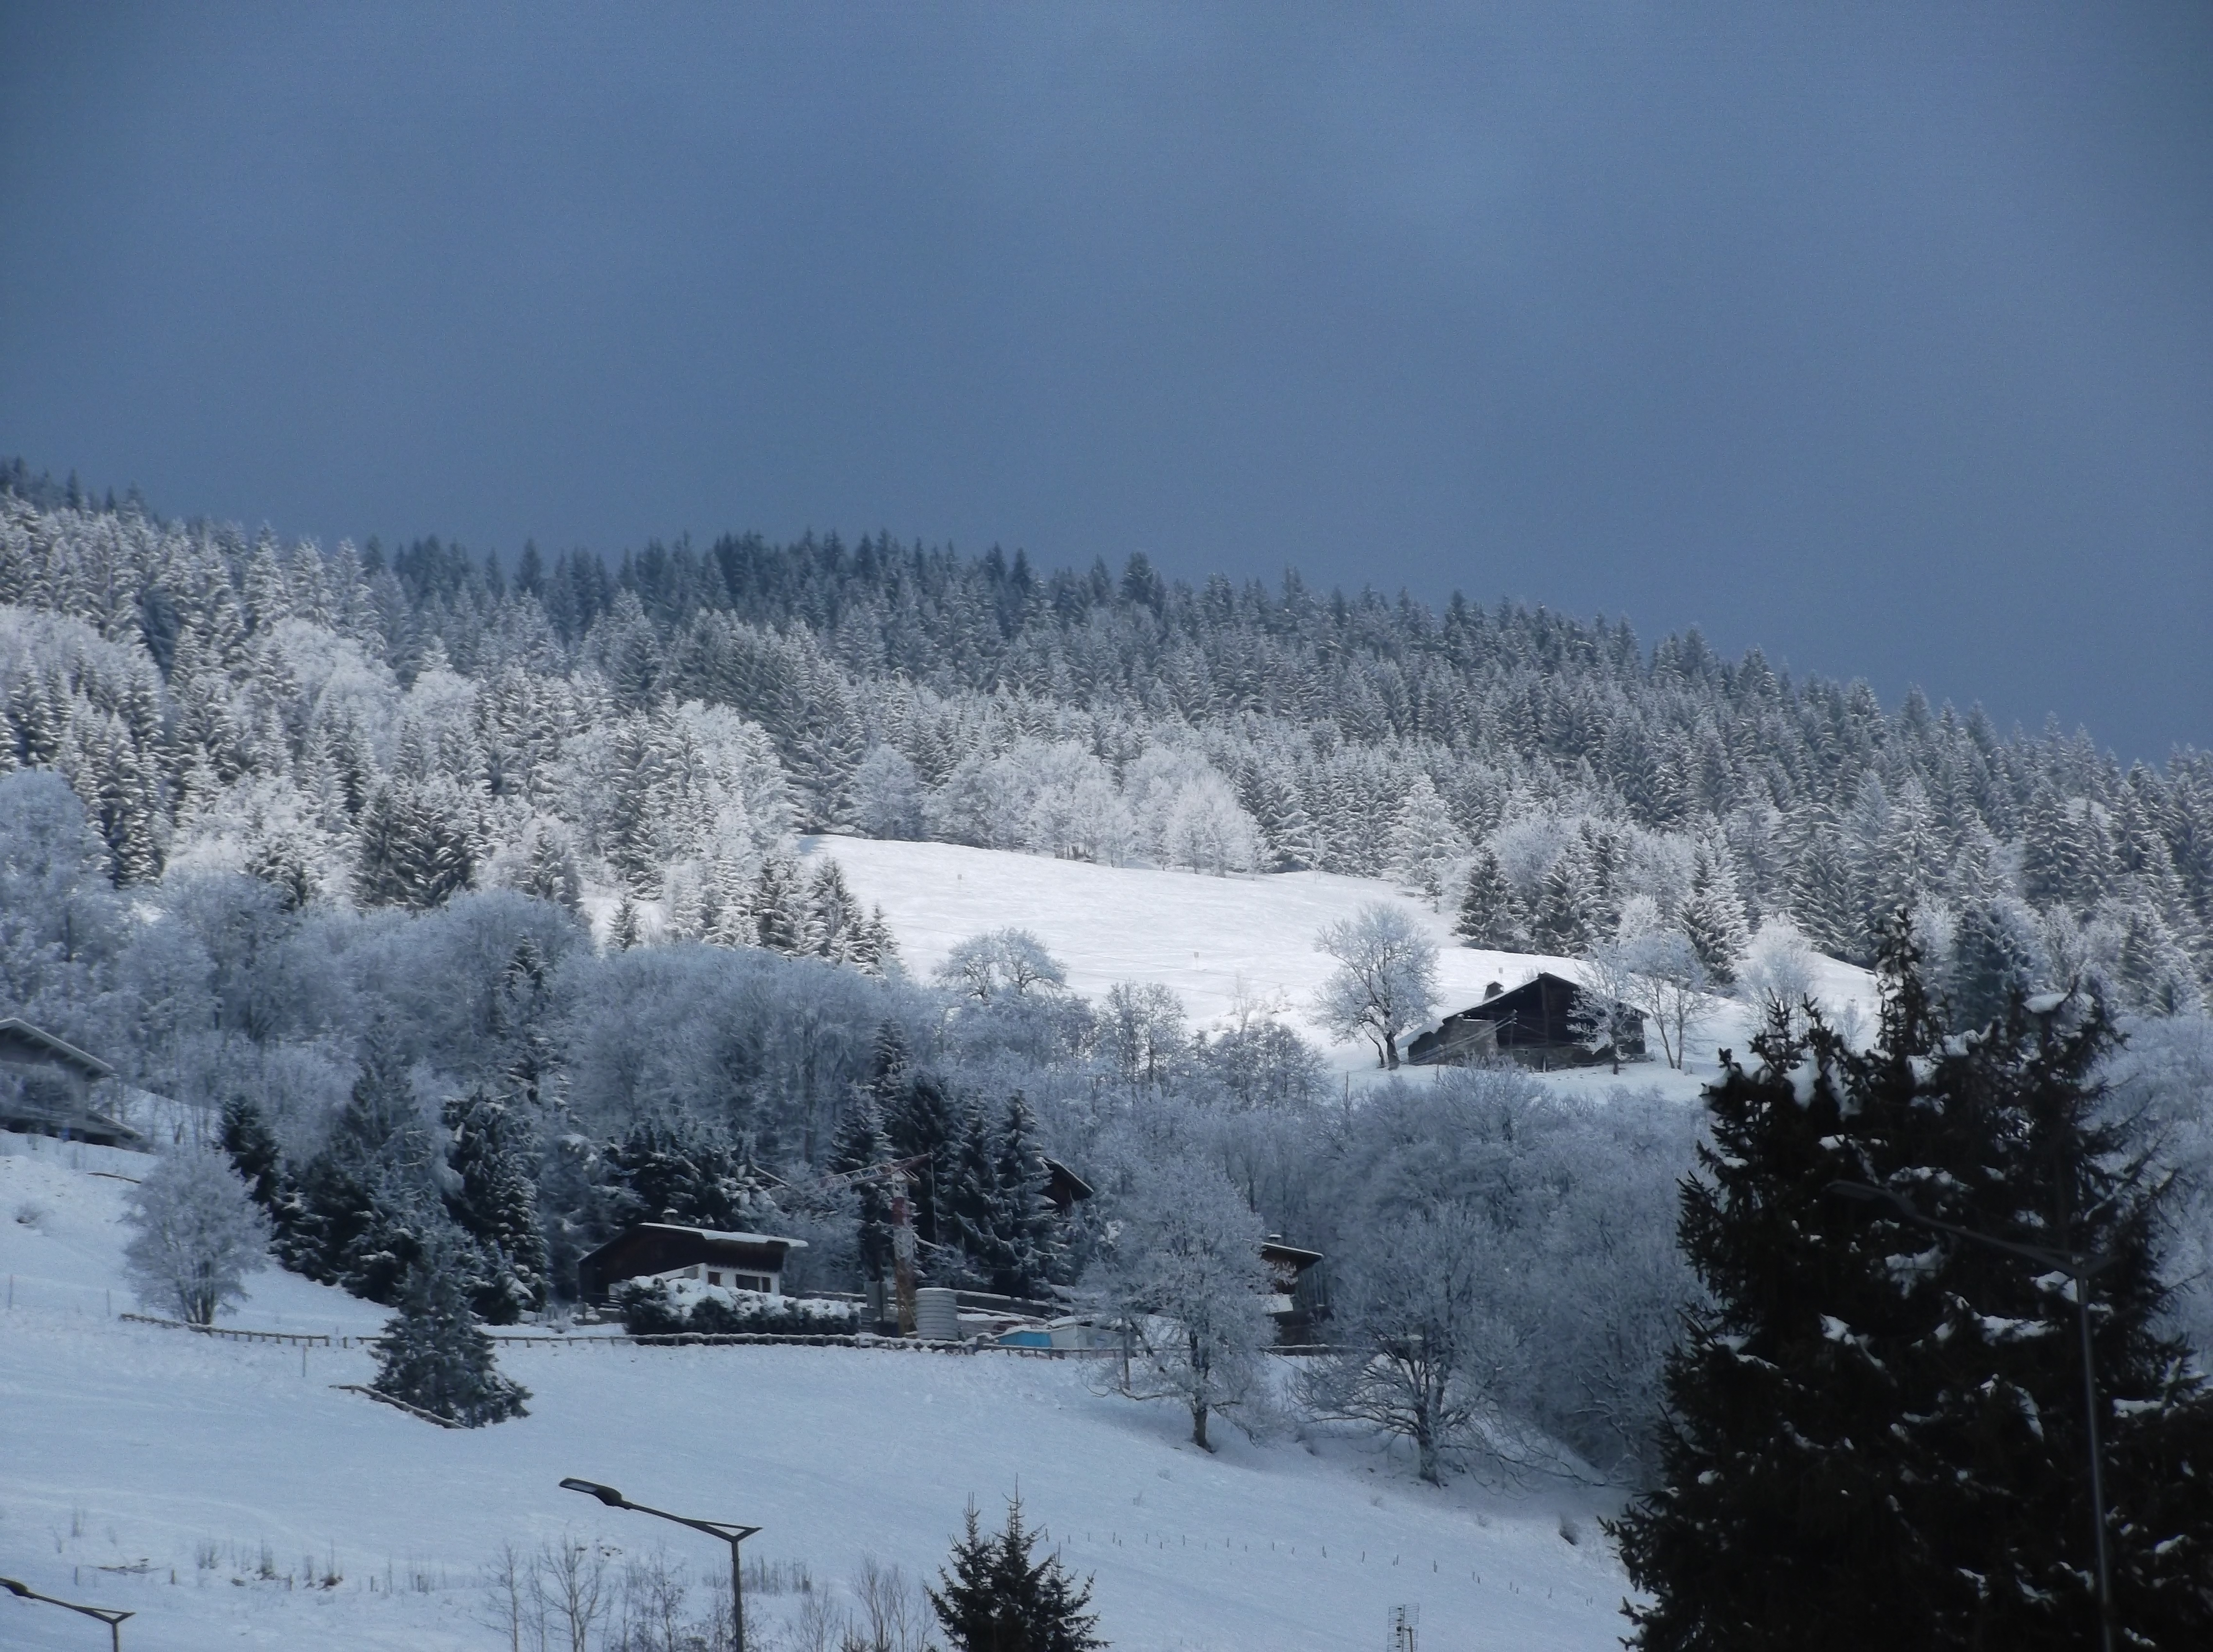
{"type": "Point", "coordinates": [661, 1250]}
{"type": "Point", "coordinates": [46, 1087]}
{"type": "Point", "coordinates": [1539, 1023]}
{"type": "Point", "coordinates": [1063, 1189]}
{"type": "Point", "coordinates": [1301, 1297]}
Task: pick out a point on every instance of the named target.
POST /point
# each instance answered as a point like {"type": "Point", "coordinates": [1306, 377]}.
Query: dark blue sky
{"type": "Point", "coordinates": [1880, 337]}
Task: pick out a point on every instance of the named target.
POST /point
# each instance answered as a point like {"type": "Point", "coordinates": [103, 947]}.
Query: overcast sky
{"type": "Point", "coordinates": [1881, 337]}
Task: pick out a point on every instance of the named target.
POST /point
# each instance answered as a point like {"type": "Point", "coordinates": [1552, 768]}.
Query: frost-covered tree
{"type": "Point", "coordinates": [1386, 980]}
{"type": "Point", "coordinates": [1425, 1338]}
{"type": "Point", "coordinates": [999, 964]}
{"type": "Point", "coordinates": [887, 795]}
{"type": "Point", "coordinates": [1142, 1036]}
{"type": "Point", "coordinates": [1185, 1274]}
{"type": "Point", "coordinates": [1206, 829]}
{"type": "Point", "coordinates": [434, 1356]}
{"type": "Point", "coordinates": [196, 1235]}
{"type": "Point", "coordinates": [1776, 975]}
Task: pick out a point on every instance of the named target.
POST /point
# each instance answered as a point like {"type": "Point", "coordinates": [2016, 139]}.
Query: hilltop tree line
{"type": "Point", "coordinates": [389, 728]}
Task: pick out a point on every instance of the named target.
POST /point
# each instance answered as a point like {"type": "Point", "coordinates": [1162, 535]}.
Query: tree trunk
{"type": "Point", "coordinates": [1199, 1428]}
{"type": "Point", "coordinates": [1390, 1051]}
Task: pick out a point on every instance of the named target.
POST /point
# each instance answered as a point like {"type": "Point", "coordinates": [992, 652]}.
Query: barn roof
{"type": "Point", "coordinates": [14, 1029]}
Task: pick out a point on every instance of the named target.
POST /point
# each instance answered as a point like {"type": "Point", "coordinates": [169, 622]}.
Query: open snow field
{"type": "Point", "coordinates": [1210, 939]}
{"type": "Point", "coordinates": [187, 1457]}
{"type": "Point", "coordinates": [212, 1462]}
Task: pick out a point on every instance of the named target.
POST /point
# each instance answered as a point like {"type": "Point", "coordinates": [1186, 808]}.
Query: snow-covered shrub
{"type": "Point", "coordinates": [669, 1307]}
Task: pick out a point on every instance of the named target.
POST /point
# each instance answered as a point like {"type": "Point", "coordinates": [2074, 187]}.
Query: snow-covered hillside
{"type": "Point", "coordinates": [178, 1457]}
{"type": "Point", "coordinates": [1212, 939]}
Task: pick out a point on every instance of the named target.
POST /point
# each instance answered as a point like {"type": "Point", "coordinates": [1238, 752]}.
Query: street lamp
{"type": "Point", "coordinates": [2081, 1269]}
{"type": "Point", "coordinates": [107, 1615]}
{"type": "Point", "coordinates": [731, 1534]}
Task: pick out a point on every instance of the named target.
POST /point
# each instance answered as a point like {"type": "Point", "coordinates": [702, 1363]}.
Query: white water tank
{"type": "Point", "coordinates": [936, 1314]}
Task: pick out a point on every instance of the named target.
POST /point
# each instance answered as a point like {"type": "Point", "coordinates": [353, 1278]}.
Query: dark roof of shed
{"type": "Point", "coordinates": [61, 1048]}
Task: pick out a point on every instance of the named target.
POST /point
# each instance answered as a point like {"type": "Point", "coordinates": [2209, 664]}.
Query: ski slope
{"type": "Point", "coordinates": [1212, 939]}
{"type": "Point", "coordinates": [134, 1446]}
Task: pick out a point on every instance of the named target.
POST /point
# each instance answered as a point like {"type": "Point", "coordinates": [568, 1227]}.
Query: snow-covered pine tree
{"type": "Point", "coordinates": [1713, 917]}
{"type": "Point", "coordinates": [551, 871]}
{"type": "Point", "coordinates": [1425, 845]}
{"type": "Point", "coordinates": [434, 1355]}
{"type": "Point", "coordinates": [836, 928]}
{"type": "Point", "coordinates": [1489, 913]}
{"type": "Point", "coordinates": [1876, 1435]}
{"type": "Point", "coordinates": [625, 929]}
{"type": "Point", "coordinates": [496, 1203]}
{"type": "Point", "coordinates": [779, 907]}
{"type": "Point", "coordinates": [996, 1595]}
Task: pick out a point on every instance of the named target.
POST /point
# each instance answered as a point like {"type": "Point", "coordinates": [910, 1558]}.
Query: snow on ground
{"type": "Point", "coordinates": [1212, 939]}
{"type": "Point", "coordinates": [199, 1464]}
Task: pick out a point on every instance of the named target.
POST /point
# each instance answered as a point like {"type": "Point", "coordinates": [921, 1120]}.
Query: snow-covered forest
{"type": "Point", "coordinates": [466, 897]}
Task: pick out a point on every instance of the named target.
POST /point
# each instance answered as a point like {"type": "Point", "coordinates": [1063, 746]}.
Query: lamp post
{"type": "Point", "coordinates": [729, 1533]}
{"type": "Point", "coordinates": [107, 1615]}
{"type": "Point", "coordinates": [2078, 1267]}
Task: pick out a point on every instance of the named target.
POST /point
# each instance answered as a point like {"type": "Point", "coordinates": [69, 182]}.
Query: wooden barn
{"type": "Point", "coordinates": [1535, 1024]}
{"type": "Point", "coordinates": [649, 1250]}
{"type": "Point", "coordinates": [46, 1087]}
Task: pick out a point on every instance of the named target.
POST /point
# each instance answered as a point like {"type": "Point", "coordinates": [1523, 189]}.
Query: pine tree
{"type": "Point", "coordinates": [1714, 917]}
{"type": "Point", "coordinates": [497, 1204]}
{"type": "Point", "coordinates": [1875, 1436]}
{"type": "Point", "coordinates": [436, 1357]}
{"type": "Point", "coordinates": [1424, 844]}
{"type": "Point", "coordinates": [994, 1595]}
{"type": "Point", "coordinates": [859, 1144]}
{"type": "Point", "coordinates": [836, 929]}
{"type": "Point", "coordinates": [1489, 913]}
{"type": "Point", "coordinates": [780, 906]}
{"type": "Point", "coordinates": [624, 931]}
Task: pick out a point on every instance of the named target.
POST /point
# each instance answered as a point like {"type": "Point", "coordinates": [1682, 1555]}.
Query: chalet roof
{"type": "Point", "coordinates": [1275, 1250]}
{"type": "Point", "coordinates": [15, 1030]}
{"type": "Point", "coordinates": [716, 1236]}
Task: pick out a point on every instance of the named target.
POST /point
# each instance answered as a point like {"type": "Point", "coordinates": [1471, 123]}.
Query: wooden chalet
{"type": "Point", "coordinates": [46, 1087]}
{"type": "Point", "coordinates": [1535, 1024]}
{"type": "Point", "coordinates": [652, 1250]}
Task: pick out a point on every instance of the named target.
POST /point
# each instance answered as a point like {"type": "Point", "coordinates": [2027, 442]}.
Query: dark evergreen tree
{"type": "Point", "coordinates": [683, 1173]}
{"type": "Point", "coordinates": [1028, 1228]}
{"type": "Point", "coordinates": [436, 1357]}
{"type": "Point", "coordinates": [923, 1120]}
{"type": "Point", "coordinates": [996, 1595]}
{"type": "Point", "coordinates": [860, 1144]}
{"type": "Point", "coordinates": [1876, 1437]}
{"type": "Point", "coordinates": [497, 1204]}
